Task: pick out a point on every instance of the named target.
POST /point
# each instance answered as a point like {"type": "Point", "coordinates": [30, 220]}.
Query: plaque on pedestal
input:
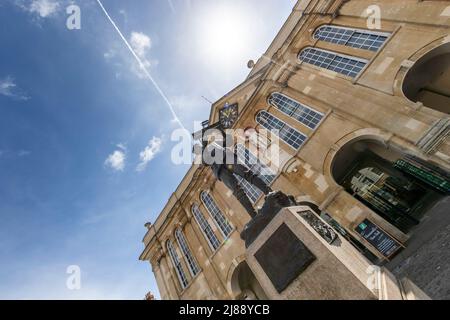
{"type": "Point", "coordinates": [283, 257]}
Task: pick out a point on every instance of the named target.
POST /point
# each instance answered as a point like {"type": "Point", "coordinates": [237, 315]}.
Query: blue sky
{"type": "Point", "coordinates": [85, 136]}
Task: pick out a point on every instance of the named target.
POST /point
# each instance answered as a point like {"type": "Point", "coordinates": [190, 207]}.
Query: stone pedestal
{"type": "Point", "coordinates": [298, 256]}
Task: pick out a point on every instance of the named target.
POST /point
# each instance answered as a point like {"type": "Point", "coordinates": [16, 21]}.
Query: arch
{"type": "Point", "coordinates": [360, 134]}
{"type": "Point", "coordinates": [242, 283]}
{"type": "Point", "coordinates": [428, 80]}
{"type": "Point", "coordinates": [373, 171]}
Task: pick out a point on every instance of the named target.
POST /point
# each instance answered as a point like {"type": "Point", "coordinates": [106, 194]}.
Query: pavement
{"type": "Point", "coordinates": [426, 258]}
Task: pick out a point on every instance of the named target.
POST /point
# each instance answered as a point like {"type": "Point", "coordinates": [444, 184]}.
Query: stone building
{"type": "Point", "coordinates": [363, 107]}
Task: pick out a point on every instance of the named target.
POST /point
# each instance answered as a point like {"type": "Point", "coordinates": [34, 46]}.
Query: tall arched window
{"type": "Point", "coordinates": [190, 260]}
{"type": "Point", "coordinates": [303, 114]}
{"type": "Point", "coordinates": [177, 264]}
{"type": "Point", "coordinates": [288, 134]}
{"type": "Point", "coordinates": [248, 159]}
{"type": "Point", "coordinates": [206, 228]}
{"type": "Point", "coordinates": [217, 215]}
{"type": "Point", "coordinates": [343, 64]}
{"type": "Point", "coordinates": [356, 38]}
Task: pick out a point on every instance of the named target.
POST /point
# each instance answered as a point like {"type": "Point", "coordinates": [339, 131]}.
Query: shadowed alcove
{"type": "Point", "coordinates": [428, 81]}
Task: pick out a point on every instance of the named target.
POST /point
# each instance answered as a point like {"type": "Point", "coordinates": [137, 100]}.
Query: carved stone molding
{"type": "Point", "coordinates": [157, 256]}
{"type": "Point", "coordinates": [435, 136]}
{"type": "Point", "coordinates": [324, 230]}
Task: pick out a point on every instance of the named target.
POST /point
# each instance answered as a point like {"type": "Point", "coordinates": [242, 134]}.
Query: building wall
{"type": "Point", "coordinates": [369, 106]}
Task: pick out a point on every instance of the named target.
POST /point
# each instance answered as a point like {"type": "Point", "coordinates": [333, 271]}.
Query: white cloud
{"type": "Point", "coordinates": [116, 160]}
{"type": "Point", "coordinates": [122, 146]}
{"type": "Point", "coordinates": [140, 43]}
{"type": "Point", "coordinates": [6, 86]}
{"type": "Point", "coordinates": [9, 88]}
{"type": "Point", "coordinates": [150, 151]}
{"type": "Point", "coordinates": [109, 54]}
{"type": "Point", "coordinates": [43, 8]}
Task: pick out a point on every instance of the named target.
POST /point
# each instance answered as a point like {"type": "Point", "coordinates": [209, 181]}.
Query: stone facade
{"type": "Point", "coordinates": [380, 111]}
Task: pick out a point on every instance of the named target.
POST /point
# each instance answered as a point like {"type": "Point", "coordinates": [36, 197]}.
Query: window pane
{"type": "Point", "coordinates": [299, 112]}
{"type": "Point", "coordinates": [190, 260]}
{"type": "Point", "coordinates": [286, 133]}
{"type": "Point", "coordinates": [206, 228]}
{"type": "Point", "coordinates": [177, 264]}
{"type": "Point", "coordinates": [340, 64]}
{"type": "Point", "coordinates": [217, 215]}
{"type": "Point", "coordinates": [248, 159]}
{"type": "Point", "coordinates": [361, 39]}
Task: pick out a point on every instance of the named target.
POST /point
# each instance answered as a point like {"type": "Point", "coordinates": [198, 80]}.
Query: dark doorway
{"type": "Point", "coordinates": [245, 282]}
{"type": "Point", "coordinates": [371, 173]}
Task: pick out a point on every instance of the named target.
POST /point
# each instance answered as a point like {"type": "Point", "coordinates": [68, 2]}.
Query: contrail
{"type": "Point", "coordinates": [141, 64]}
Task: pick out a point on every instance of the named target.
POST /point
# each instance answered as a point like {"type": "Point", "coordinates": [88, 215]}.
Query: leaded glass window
{"type": "Point", "coordinates": [190, 260]}
{"type": "Point", "coordinates": [206, 227]}
{"type": "Point", "coordinates": [177, 264]}
{"type": "Point", "coordinates": [356, 38]}
{"type": "Point", "coordinates": [343, 64]}
{"type": "Point", "coordinates": [216, 214]}
{"type": "Point", "coordinates": [248, 159]}
{"type": "Point", "coordinates": [303, 114]}
{"type": "Point", "coordinates": [291, 136]}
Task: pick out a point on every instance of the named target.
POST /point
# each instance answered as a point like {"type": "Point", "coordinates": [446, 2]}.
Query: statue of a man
{"type": "Point", "coordinates": [225, 166]}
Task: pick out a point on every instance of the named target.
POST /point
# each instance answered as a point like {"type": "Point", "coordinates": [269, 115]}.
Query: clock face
{"type": "Point", "coordinates": [228, 115]}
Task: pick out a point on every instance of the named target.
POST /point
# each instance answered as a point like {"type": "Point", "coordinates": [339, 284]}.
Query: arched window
{"type": "Point", "coordinates": [182, 243]}
{"type": "Point", "coordinates": [286, 133]}
{"type": "Point", "coordinates": [356, 38]}
{"type": "Point", "coordinates": [248, 159]}
{"type": "Point", "coordinates": [206, 228]}
{"type": "Point", "coordinates": [217, 215]}
{"type": "Point", "coordinates": [303, 114]}
{"type": "Point", "coordinates": [177, 264]}
{"type": "Point", "coordinates": [346, 65]}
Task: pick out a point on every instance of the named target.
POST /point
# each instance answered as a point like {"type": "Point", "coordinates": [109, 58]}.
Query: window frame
{"type": "Point", "coordinates": [207, 225]}
{"type": "Point", "coordinates": [285, 124]}
{"type": "Point", "coordinates": [354, 30]}
{"type": "Point", "coordinates": [336, 54]}
{"type": "Point", "coordinates": [187, 252]}
{"type": "Point", "coordinates": [255, 193]}
{"type": "Point", "coordinates": [322, 115]}
{"type": "Point", "coordinates": [226, 222]}
{"type": "Point", "coordinates": [178, 266]}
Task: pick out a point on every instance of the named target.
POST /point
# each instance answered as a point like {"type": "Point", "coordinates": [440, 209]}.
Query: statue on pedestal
{"type": "Point", "coordinates": [225, 166]}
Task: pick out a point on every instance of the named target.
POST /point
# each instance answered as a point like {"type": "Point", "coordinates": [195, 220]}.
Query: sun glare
{"type": "Point", "coordinates": [224, 35]}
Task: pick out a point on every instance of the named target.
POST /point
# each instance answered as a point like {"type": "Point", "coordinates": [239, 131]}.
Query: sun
{"type": "Point", "coordinates": [223, 35]}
